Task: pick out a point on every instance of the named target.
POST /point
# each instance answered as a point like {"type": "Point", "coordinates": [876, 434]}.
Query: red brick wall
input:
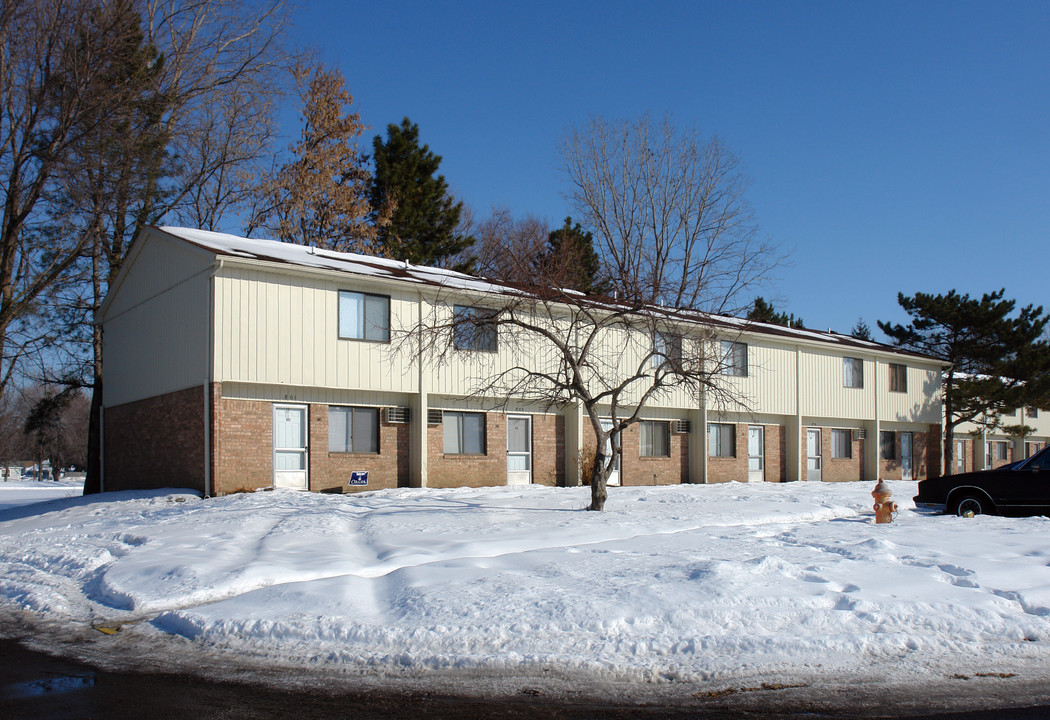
{"type": "Point", "coordinates": [244, 451]}
{"type": "Point", "coordinates": [156, 443]}
{"type": "Point", "coordinates": [490, 468]}
{"type": "Point", "coordinates": [330, 470]}
{"type": "Point", "coordinates": [243, 445]}
{"type": "Point", "coordinates": [726, 469]}
{"type": "Point", "coordinates": [922, 446]}
{"type": "Point", "coordinates": [638, 470]}
{"type": "Point", "coordinates": [836, 469]}
{"type": "Point", "coordinates": [774, 450]}
{"type": "Point", "coordinates": [548, 468]}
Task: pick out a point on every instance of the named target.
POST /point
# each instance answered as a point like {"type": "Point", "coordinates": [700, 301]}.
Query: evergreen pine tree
{"type": "Point", "coordinates": [861, 331]}
{"type": "Point", "coordinates": [424, 217]}
{"type": "Point", "coordinates": [764, 312]}
{"type": "Point", "coordinates": [570, 259]}
{"type": "Point", "coordinates": [999, 361]}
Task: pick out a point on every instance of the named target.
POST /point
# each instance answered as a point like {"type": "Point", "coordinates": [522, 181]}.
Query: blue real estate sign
{"type": "Point", "coordinates": [358, 478]}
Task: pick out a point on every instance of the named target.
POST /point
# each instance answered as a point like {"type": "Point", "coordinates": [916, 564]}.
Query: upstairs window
{"type": "Point", "coordinates": [666, 348]}
{"type": "Point", "coordinates": [655, 438]}
{"type": "Point", "coordinates": [721, 440]}
{"type": "Point", "coordinates": [1031, 412]}
{"type": "Point", "coordinates": [353, 430]}
{"type": "Point", "coordinates": [898, 378]}
{"type": "Point", "coordinates": [852, 373]}
{"type": "Point", "coordinates": [473, 328]}
{"type": "Point", "coordinates": [734, 358]}
{"type": "Point", "coordinates": [363, 316]}
{"type": "Point", "coordinates": [841, 443]}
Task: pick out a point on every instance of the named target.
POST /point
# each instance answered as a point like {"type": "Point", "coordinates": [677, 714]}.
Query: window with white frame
{"type": "Point", "coordinates": [898, 378]}
{"type": "Point", "coordinates": [353, 429]}
{"type": "Point", "coordinates": [721, 440]}
{"type": "Point", "coordinates": [841, 443]}
{"type": "Point", "coordinates": [666, 348]}
{"type": "Point", "coordinates": [364, 316]}
{"type": "Point", "coordinates": [734, 358]}
{"type": "Point", "coordinates": [464, 433]}
{"type": "Point", "coordinates": [655, 438]}
{"type": "Point", "coordinates": [1031, 412]}
{"type": "Point", "coordinates": [852, 372]}
{"type": "Point", "coordinates": [887, 445]}
{"type": "Point", "coordinates": [473, 328]}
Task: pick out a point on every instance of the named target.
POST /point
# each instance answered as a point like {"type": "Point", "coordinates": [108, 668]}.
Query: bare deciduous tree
{"type": "Point", "coordinates": [668, 213]}
{"type": "Point", "coordinates": [676, 239]}
{"type": "Point", "coordinates": [196, 116]}
{"type": "Point", "coordinates": [506, 247]}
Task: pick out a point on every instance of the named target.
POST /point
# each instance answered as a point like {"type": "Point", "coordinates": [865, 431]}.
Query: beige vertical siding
{"type": "Point", "coordinates": [283, 328]}
{"type": "Point", "coordinates": [823, 393]}
{"type": "Point", "coordinates": [156, 329]}
{"type": "Point", "coordinates": [922, 401]}
{"type": "Point", "coordinates": [769, 386]}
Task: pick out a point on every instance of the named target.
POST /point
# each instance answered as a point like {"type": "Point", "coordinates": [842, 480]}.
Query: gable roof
{"type": "Point", "coordinates": [306, 256]}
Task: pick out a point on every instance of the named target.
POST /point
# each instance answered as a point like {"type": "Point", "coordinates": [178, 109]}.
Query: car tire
{"type": "Point", "coordinates": [969, 505]}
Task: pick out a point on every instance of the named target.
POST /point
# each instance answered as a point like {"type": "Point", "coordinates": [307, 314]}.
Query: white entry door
{"type": "Point", "coordinates": [614, 476]}
{"type": "Point", "coordinates": [813, 454]}
{"type": "Point", "coordinates": [290, 447]}
{"type": "Point", "coordinates": [519, 449]}
{"type": "Point", "coordinates": [906, 461]}
{"type": "Point", "coordinates": [960, 456]}
{"type": "Point", "coordinates": [756, 463]}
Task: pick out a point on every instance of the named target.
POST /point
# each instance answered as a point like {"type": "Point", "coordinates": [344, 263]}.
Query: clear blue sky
{"type": "Point", "coordinates": [891, 146]}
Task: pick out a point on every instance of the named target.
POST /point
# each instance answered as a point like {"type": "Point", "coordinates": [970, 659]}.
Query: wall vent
{"type": "Point", "coordinates": [682, 427]}
{"type": "Point", "coordinates": [859, 433]}
{"type": "Point", "coordinates": [435, 417]}
{"type": "Point", "coordinates": [397, 415]}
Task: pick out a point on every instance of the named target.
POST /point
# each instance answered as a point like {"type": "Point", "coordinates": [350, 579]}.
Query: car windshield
{"type": "Point", "coordinates": [1039, 461]}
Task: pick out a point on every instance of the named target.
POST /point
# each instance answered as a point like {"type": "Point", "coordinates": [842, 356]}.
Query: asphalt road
{"type": "Point", "coordinates": [38, 686]}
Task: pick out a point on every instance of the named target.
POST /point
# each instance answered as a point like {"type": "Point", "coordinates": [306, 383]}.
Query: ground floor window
{"type": "Point", "coordinates": [464, 433]}
{"type": "Point", "coordinates": [887, 445]}
{"type": "Point", "coordinates": [841, 443]}
{"type": "Point", "coordinates": [996, 451]}
{"type": "Point", "coordinates": [655, 438]}
{"type": "Point", "coordinates": [721, 440]}
{"type": "Point", "coordinates": [353, 430]}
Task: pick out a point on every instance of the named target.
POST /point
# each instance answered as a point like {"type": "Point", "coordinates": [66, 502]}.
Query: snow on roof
{"type": "Point", "coordinates": [307, 256]}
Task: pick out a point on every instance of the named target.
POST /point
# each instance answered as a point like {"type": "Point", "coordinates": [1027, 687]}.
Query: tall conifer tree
{"type": "Point", "coordinates": [570, 255]}
{"type": "Point", "coordinates": [999, 360]}
{"type": "Point", "coordinates": [423, 216]}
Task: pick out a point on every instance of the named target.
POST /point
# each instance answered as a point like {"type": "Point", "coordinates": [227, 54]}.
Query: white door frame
{"type": "Point", "coordinates": [297, 478]}
{"type": "Point", "coordinates": [756, 461]}
{"type": "Point", "coordinates": [813, 460]}
{"type": "Point", "coordinates": [960, 456]}
{"type": "Point", "coordinates": [907, 457]}
{"type": "Point", "coordinates": [614, 476]}
{"type": "Point", "coordinates": [519, 477]}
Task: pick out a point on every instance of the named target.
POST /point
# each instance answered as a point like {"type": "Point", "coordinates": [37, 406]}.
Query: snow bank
{"type": "Point", "coordinates": [687, 583]}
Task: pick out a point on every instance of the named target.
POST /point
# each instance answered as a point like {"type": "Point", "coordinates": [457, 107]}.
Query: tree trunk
{"type": "Point", "coordinates": [949, 427]}
{"type": "Point", "coordinates": [599, 474]}
{"type": "Point", "coordinates": [93, 481]}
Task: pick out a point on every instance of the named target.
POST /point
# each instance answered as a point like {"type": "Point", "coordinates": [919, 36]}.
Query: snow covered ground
{"type": "Point", "coordinates": [698, 586]}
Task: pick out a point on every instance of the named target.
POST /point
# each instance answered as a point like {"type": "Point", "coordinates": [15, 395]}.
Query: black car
{"type": "Point", "coordinates": [1020, 488]}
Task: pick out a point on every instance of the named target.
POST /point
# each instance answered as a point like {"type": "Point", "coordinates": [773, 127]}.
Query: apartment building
{"type": "Point", "coordinates": [233, 363]}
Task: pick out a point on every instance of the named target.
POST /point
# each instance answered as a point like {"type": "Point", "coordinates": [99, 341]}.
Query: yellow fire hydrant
{"type": "Point", "coordinates": [884, 507]}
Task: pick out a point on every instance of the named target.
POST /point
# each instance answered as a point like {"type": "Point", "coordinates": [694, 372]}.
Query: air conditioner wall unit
{"type": "Point", "coordinates": [397, 415]}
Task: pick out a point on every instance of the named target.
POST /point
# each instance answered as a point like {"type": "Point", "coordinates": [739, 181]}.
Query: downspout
{"type": "Point", "coordinates": [209, 375]}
